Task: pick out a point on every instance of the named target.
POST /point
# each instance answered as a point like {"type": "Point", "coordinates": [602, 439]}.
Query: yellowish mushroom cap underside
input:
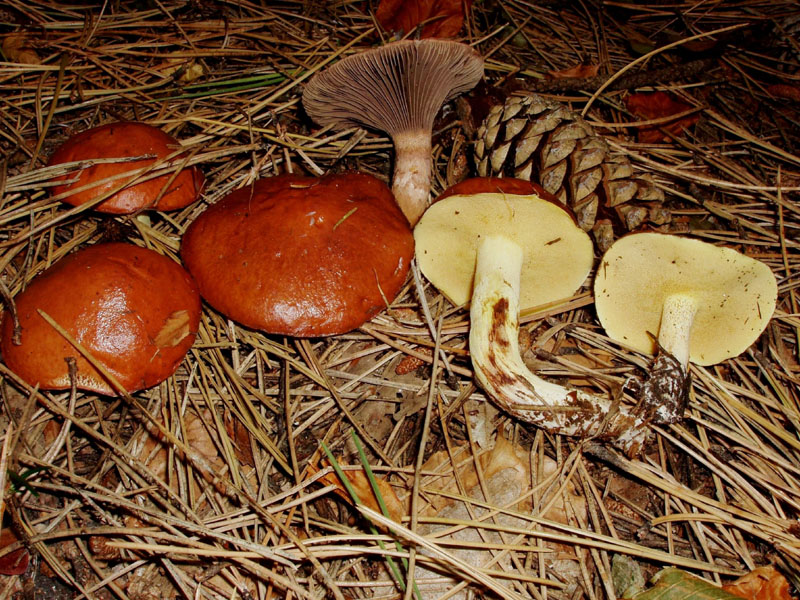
{"type": "Point", "coordinates": [557, 254]}
{"type": "Point", "coordinates": [735, 294]}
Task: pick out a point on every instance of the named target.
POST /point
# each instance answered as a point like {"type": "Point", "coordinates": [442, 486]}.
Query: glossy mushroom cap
{"type": "Point", "coordinates": [397, 88]}
{"type": "Point", "coordinates": [732, 295]}
{"type": "Point", "coordinates": [123, 140]}
{"type": "Point", "coordinates": [301, 256]}
{"type": "Point", "coordinates": [135, 311]}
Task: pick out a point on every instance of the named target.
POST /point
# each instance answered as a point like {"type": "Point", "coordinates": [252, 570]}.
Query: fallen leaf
{"type": "Point", "coordinates": [17, 48]}
{"type": "Point", "coordinates": [16, 562]}
{"type": "Point", "coordinates": [577, 72]}
{"type": "Point", "coordinates": [202, 439]}
{"type": "Point", "coordinates": [376, 414]}
{"type": "Point", "coordinates": [439, 18]}
{"type": "Point", "coordinates": [187, 71]}
{"type": "Point", "coordinates": [473, 107]}
{"type": "Point", "coordinates": [466, 543]}
{"type": "Point", "coordinates": [408, 364]}
{"type": "Point", "coordinates": [506, 477]}
{"type": "Point", "coordinates": [781, 90]}
{"type": "Point", "coordinates": [240, 436]}
{"type": "Point", "coordinates": [504, 455]}
{"type": "Point", "coordinates": [675, 584]}
{"type": "Point", "coordinates": [639, 43]}
{"type": "Point", "coordinates": [659, 105]}
{"type": "Point", "coordinates": [361, 485]}
{"type": "Point", "coordinates": [764, 583]}
{"type": "Point", "coordinates": [626, 575]}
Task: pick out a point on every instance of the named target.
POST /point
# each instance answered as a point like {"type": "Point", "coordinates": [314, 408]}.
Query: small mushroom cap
{"type": "Point", "coordinates": [393, 88]}
{"type": "Point", "coordinates": [557, 254]}
{"type": "Point", "coordinates": [134, 310]}
{"type": "Point", "coordinates": [301, 256]}
{"type": "Point", "coordinates": [122, 140]}
{"type": "Point", "coordinates": [735, 294]}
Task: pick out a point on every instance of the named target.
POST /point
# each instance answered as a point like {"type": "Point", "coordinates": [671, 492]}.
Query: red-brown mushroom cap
{"type": "Point", "coordinates": [301, 256]}
{"type": "Point", "coordinates": [137, 312]}
{"type": "Point", "coordinates": [124, 140]}
{"type": "Point", "coordinates": [503, 185]}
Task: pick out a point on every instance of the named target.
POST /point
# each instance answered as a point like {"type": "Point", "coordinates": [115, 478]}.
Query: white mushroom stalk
{"type": "Point", "coordinates": [397, 88]}
{"type": "Point", "coordinates": [677, 316]}
{"type": "Point", "coordinates": [494, 348]}
{"type": "Point", "coordinates": [412, 172]}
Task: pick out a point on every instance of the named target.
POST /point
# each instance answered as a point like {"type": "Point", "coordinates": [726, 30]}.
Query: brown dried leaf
{"type": "Point", "coordinates": [155, 455]}
{"type": "Point", "coordinates": [358, 479]}
{"type": "Point", "coordinates": [196, 432]}
{"type": "Point", "coordinates": [582, 71]}
{"type": "Point", "coordinates": [782, 90]}
{"type": "Point", "coordinates": [659, 105]}
{"type": "Point", "coordinates": [440, 18]}
{"type": "Point", "coordinates": [501, 456]}
{"type": "Point", "coordinates": [764, 583]}
{"type": "Point", "coordinates": [507, 477]}
{"type": "Point", "coordinates": [17, 48]}
{"type": "Point", "coordinates": [187, 71]}
{"type": "Point", "coordinates": [408, 364]}
{"type": "Point", "coordinates": [504, 455]}
{"type": "Point", "coordinates": [16, 562]}
{"type": "Point", "coordinates": [240, 436]}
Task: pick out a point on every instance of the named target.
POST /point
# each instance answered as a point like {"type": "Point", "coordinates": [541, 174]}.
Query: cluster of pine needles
{"type": "Point", "coordinates": [252, 500]}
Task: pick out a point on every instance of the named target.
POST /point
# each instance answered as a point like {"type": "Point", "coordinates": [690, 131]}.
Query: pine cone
{"type": "Point", "coordinates": [531, 138]}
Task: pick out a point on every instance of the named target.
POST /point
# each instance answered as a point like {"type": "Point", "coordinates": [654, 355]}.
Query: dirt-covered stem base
{"type": "Point", "coordinates": [499, 369]}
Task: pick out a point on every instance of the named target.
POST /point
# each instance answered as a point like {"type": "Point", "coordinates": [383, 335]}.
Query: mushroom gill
{"type": "Point", "coordinates": [397, 88]}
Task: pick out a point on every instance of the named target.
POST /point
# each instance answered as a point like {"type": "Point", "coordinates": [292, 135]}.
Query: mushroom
{"type": "Point", "coordinates": [124, 140]}
{"type": "Point", "coordinates": [301, 256]}
{"type": "Point", "coordinates": [704, 303]}
{"type": "Point", "coordinates": [135, 311]}
{"type": "Point", "coordinates": [503, 253]}
{"type": "Point", "coordinates": [397, 88]}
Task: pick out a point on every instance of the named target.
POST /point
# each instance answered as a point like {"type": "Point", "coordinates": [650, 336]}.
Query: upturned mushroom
{"type": "Point", "coordinates": [503, 253]}
{"type": "Point", "coordinates": [397, 88]}
{"type": "Point", "coordinates": [684, 300]}
{"type": "Point", "coordinates": [135, 311]}
{"type": "Point", "coordinates": [124, 140]}
{"type": "Point", "coordinates": [301, 256]}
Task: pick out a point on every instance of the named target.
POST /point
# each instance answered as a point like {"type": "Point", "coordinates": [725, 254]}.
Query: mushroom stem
{"type": "Point", "coordinates": [494, 348]}
{"type": "Point", "coordinates": [412, 172]}
{"type": "Point", "coordinates": [664, 393]}
{"type": "Point", "coordinates": [677, 316]}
